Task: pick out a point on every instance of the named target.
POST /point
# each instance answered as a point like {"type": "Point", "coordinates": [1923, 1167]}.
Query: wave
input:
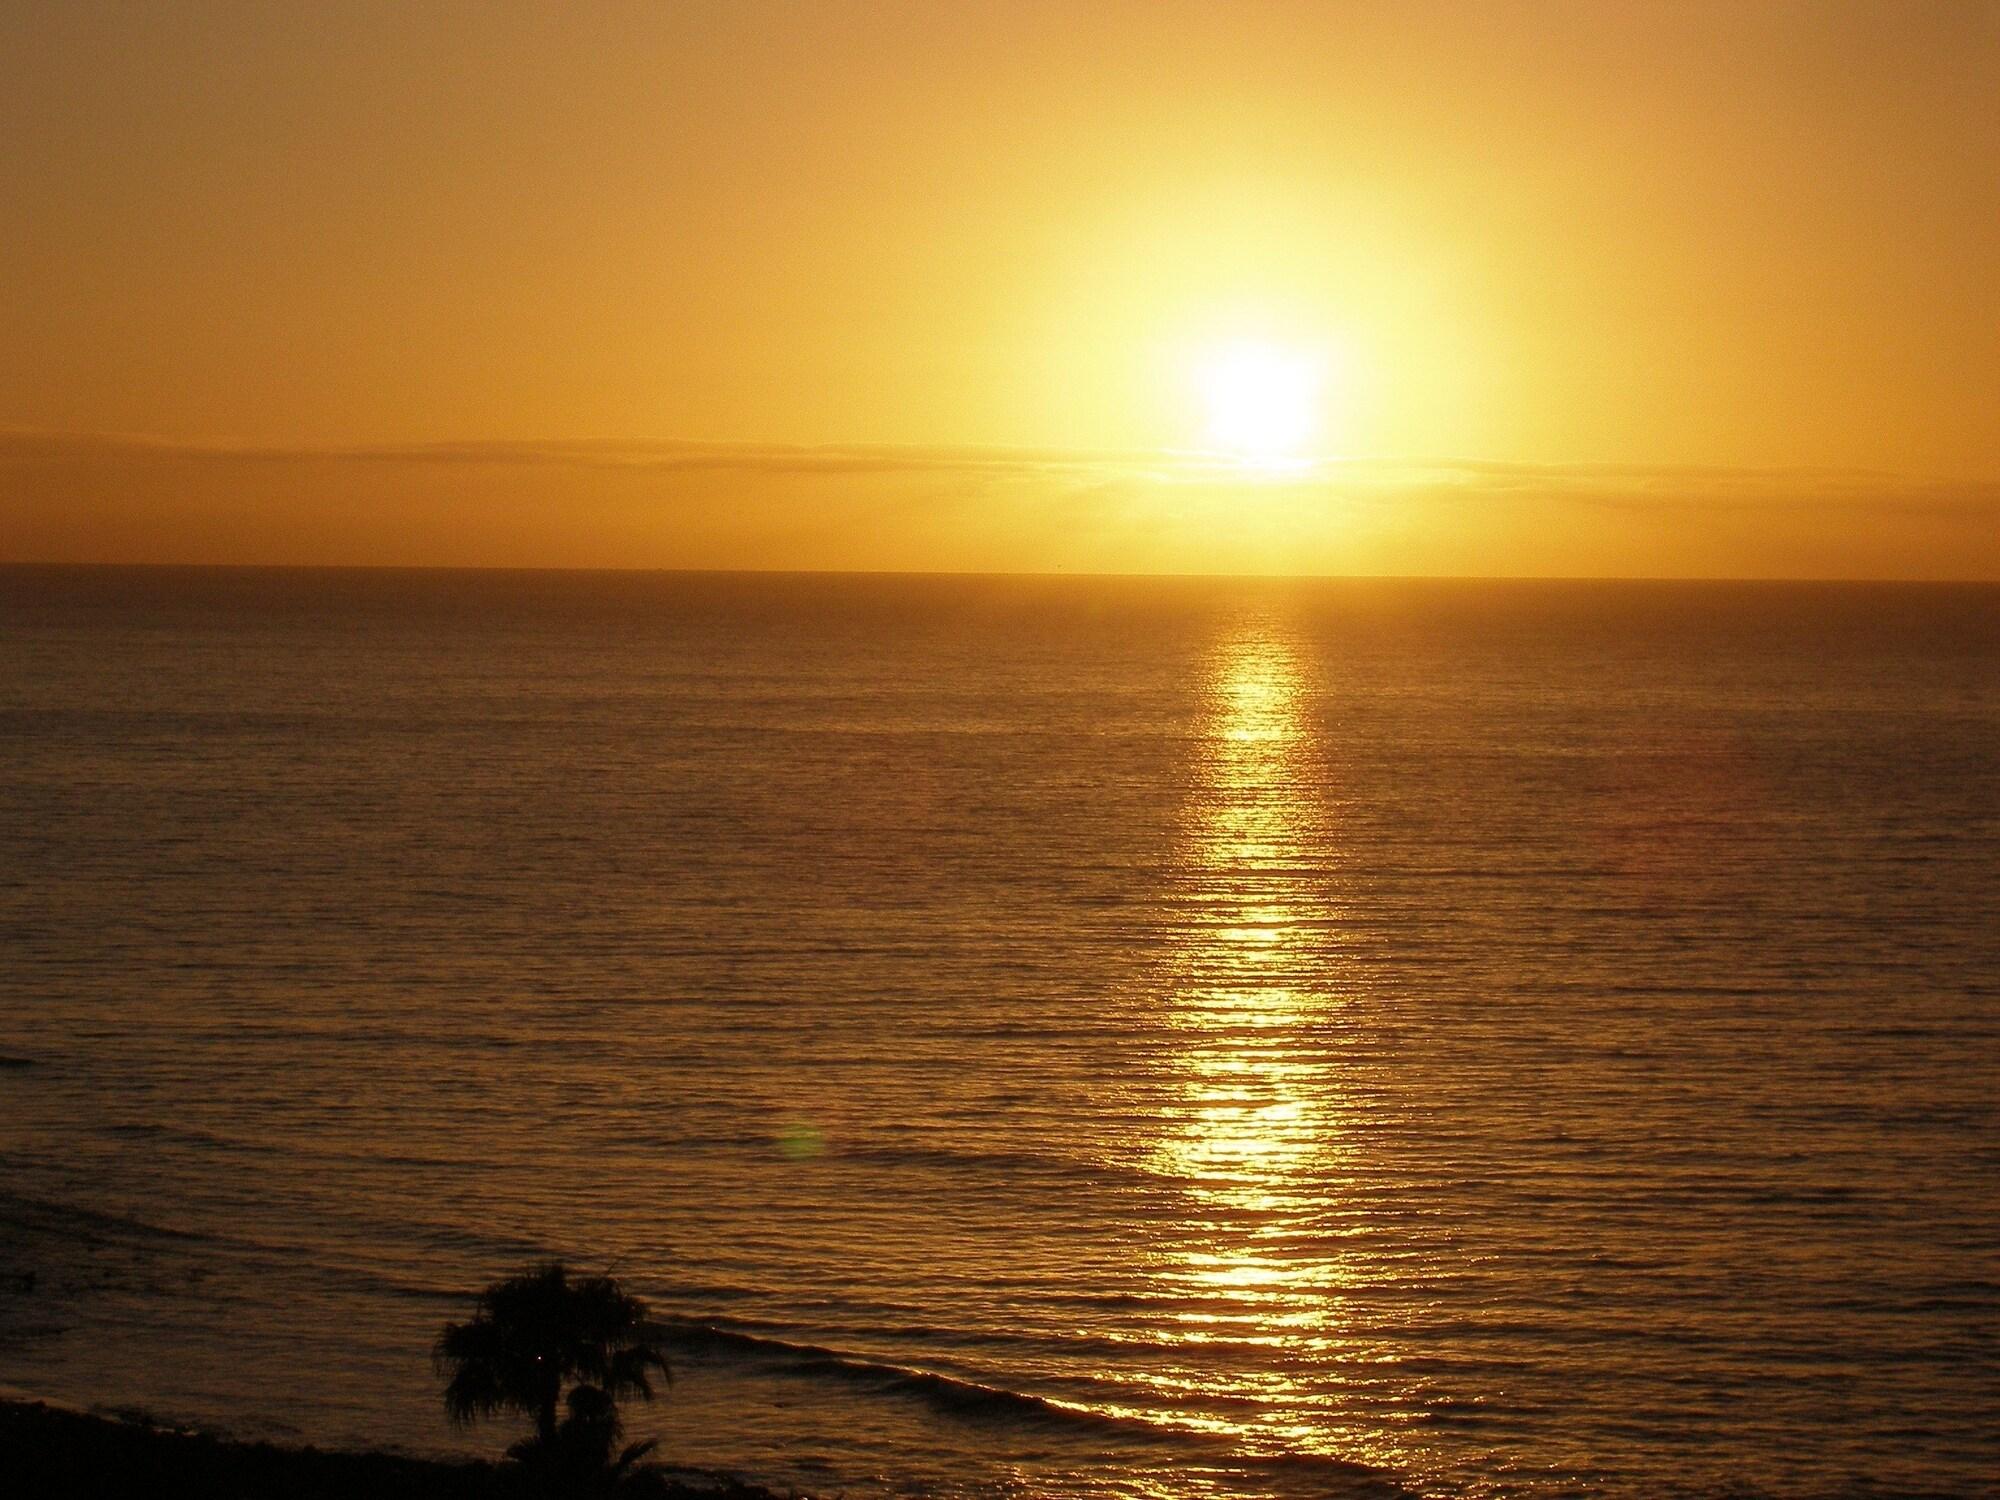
{"type": "Point", "coordinates": [18, 1211]}
{"type": "Point", "coordinates": [190, 1135]}
{"type": "Point", "coordinates": [30, 1223]}
{"type": "Point", "coordinates": [1013, 1164]}
{"type": "Point", "coordinates": [979, 1402]}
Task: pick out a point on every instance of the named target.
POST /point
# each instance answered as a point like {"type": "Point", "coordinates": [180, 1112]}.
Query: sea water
{"type": "Point", "coordinates": [1026, 1036]}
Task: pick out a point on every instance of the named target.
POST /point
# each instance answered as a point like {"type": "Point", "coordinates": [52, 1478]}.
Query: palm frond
{"type": "Point", "coordinates": [632, 1454]}
{"type": "Point", "coordinates": [630, 1369]}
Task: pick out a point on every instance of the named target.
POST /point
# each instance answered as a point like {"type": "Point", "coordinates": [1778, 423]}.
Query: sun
{"type": "Point", "coordinates": [1262, 401]}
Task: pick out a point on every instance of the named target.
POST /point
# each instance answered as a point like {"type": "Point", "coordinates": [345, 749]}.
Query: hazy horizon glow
{"type": "Point", "coordinates": [1509, 289]}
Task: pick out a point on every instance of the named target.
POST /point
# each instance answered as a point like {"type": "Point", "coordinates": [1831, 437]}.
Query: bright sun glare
{"type": "Point", "coordinates": [1262, 401]}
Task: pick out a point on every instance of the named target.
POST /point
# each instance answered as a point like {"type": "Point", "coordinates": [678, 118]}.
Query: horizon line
{"type": "Point", "coordinates": [23, 564]}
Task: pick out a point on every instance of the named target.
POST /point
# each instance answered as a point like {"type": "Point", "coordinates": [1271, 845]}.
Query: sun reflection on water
{"type": "Point", "coordinates": [1240, 972]}
{"type": "Point", "coordinates": [1252, 1129]}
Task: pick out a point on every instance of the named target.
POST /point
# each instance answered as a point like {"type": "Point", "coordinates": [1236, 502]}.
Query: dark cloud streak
{"type": "Point", "coordinates": [1618, 486]}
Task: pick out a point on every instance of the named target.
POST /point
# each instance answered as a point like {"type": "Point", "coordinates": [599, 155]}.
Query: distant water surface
{"type": "Point", "coordinates": [1050, 1037]}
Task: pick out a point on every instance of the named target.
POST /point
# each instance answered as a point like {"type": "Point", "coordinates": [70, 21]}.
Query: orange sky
{"type": "Point", "coordinates": [1601, 289]}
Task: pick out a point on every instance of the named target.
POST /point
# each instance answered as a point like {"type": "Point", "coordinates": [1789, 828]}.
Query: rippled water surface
{"type": "Point", "coordinates": [1041, 1037]}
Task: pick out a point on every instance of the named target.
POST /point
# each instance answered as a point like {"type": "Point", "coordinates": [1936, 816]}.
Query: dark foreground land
{"type": "Point", "coordinates": [45, 1452]}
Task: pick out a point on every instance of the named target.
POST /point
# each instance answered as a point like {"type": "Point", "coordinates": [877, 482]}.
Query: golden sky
{"type": "Point", "coordinates": [1582, 288]}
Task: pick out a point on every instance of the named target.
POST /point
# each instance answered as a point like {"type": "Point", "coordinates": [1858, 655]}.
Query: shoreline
{"type": "Point", "coordinates": [52, 1449]}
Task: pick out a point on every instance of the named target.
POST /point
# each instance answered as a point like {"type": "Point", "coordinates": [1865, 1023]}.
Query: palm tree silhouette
{"type": "Point", "coordinates": [532, 1335]}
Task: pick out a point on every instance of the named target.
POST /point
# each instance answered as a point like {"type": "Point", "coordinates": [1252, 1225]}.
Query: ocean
{"type": "Point", "coordinates": [1035, 1037]}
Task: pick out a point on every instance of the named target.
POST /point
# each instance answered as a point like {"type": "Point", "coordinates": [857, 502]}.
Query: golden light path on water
{"type": "Point", "coordinates": [1251, 986]}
